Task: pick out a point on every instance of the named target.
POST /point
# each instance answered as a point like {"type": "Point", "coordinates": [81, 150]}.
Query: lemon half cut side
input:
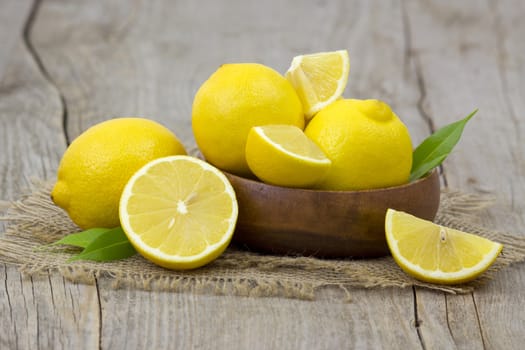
{"type": "Point", "coordinates": [179, 212]}
{"type": "Point", "coordinates": [437, 254]}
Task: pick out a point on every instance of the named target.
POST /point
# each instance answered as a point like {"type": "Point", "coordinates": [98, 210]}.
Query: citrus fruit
{"type": "Point", "coordinates": [319, 78]}
{"type": "Point", "coordinates": [283, 155]}
{"type": "Point", "coordinates": [99, 162]}
{"type": "Point", "coordinates": [367, 143]}
{"type": "Point", "coordinates": [235, 98]}
{"type": "Point", "coordinates": [179, 212]}
{"type": "Point", "coordinates": [435, 253]}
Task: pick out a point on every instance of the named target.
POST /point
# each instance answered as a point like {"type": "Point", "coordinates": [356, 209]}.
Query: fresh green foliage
{"type": "Point", "coordinates": [82, 239]}
{"type": "Point", "coordinates": [99, 244]}
{"type": "Point", "coordinates": [434, 149]}
{"type": "Point", "coordinates": [110, 245]}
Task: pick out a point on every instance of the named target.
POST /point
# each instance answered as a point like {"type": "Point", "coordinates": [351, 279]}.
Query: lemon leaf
{"type": "Point", "coordinates": [82, 239]}
{"type": "Point", "coordinates": [435, 148]}
{"type": "Point", "coordinates": [110, 245]}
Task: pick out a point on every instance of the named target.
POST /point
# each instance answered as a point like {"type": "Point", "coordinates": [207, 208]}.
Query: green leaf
{"type": "Point", "coordinates": [82, 239]}
{"type": "Point", "coordinates": [435, 148]}
{"type": "Point", "coordinates": [110, 245]}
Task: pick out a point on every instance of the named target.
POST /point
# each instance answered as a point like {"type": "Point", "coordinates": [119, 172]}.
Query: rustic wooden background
{"type": "Point", "coordinates": [66, 65]}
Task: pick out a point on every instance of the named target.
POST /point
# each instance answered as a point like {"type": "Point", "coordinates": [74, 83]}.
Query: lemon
{"type": "Point", "coordinates": [319, 78]}
{"type": "Point", "coordinates": [99, 162]}
{"type": "Point", "coordinates": [179, 212]}
{"type": "Point", "coordinates": [367, 143]}
{"type": "Point", "coordinates": [437, 254]}
{"type": "Point", "coordinates": [235, 98]}
{"type": "Point", "coordinates": [283, 155]}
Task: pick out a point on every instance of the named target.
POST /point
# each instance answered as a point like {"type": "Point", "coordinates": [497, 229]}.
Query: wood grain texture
{"type": "Point", "coordinates": [47, 313]}
{"type": "Point", "coordinates": [476, 45]}
{"type": "Point", "coordinates": [31, 135]}
{"type": "Point", "coordinates": [13, 15]}
{"type": "Point", "coordinates": [185, 321]}
{"type": "Point", "coordinates": [41, 312]}
{"type": "Point", "coordinates": [501, 304]}
{"type": "Point", "coordinates": [447, 322]}
{"type": "Point", "coordinates": [433, 61]}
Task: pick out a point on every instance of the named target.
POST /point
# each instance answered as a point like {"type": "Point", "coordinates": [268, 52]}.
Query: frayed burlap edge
{"type": "Point", "coordinates": [34, 221]}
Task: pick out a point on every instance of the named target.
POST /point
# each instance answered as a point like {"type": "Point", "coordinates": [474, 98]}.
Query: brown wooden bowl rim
{"type": "Point", "coordinates": [373, 190]}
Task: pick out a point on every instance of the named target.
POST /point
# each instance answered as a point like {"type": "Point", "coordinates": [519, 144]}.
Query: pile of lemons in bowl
{"type": "Point", "coordinates": [297, 131]}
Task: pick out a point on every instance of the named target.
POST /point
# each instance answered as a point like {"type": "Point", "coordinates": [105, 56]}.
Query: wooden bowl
{"type": "Point", "coordinates": [332, 224]}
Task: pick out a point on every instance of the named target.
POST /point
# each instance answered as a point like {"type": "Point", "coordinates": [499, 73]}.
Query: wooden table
{"type": "Point", "coordinates": [66, 65]}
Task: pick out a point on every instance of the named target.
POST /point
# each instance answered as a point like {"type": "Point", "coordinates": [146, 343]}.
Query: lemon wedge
{"type": "Point", "coordinates": [283, 155]}
{"type": "Point", "coordinates": [319, 79]}
{"type": "Point", "coordinates": [179, 212]}
{"type": "Point", "coordinates": [437, 254]}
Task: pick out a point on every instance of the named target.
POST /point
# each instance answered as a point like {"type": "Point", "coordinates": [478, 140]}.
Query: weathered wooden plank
{"type": "Point", "coordinates": [19, 321]}
{"type": "Point", "coordinates": [437, 314]}
{"type": "Point", "coordinates": [31, 135]}
{"type": "Point", "coordinates": [41, 312]}
{"type": "Point", "coordinates": [19, 317]}
{"type": "Point", "coordinates": [479, 47]}
{"type": "Point", "coordinates": [447, 321]}
{"type": "Point", "coordinates": [183, 321]}
{"type": "Point", "coordinates": [13, 15]}
{"type": "Point", "coordinates": [500, 307]}
{"type": "Point", "coordinates": [46, 312]}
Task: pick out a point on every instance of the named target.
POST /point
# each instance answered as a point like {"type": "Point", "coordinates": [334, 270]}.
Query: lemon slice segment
{"type": "Point", "coordinates": [179, 212]}
{"type": "Point", "coordinates": [437, 254]}
{"type": "Point", "coordinates": [319, 79]}
{"type": "Point", "coordinates": [283, 155]}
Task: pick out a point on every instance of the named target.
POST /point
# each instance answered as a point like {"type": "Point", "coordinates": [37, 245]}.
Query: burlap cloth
{"type": "Point", "coordinates": [34, 220]}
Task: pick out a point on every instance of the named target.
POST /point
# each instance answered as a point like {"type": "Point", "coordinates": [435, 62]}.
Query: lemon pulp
{"type": "Point", "coordinates": [435, 253]}
{"type": "Point", "coordinates": [319, 78]}
{"type": "Point", "coordinates": [283, 155]}
{"type": "Point", "coordinates": [179, 212]}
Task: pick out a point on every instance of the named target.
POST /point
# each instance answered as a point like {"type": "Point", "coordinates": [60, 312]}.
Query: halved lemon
{"type": "Point", "coordinates": [435, 253]}
{"type": "Point", "coordinates": [283, 155]}
{"type": "Point", "coordinates": [319, 79]}
{"type": "Point", "coordinates": [179, 212]}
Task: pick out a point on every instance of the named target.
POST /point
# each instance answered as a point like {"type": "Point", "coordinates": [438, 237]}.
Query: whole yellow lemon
{"type": "Point", "coordinates": [97, 165]}
{"type": "Point", "coordinates": [367, 143]}
{"type": "Point", "coordinates": [235, 98]}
